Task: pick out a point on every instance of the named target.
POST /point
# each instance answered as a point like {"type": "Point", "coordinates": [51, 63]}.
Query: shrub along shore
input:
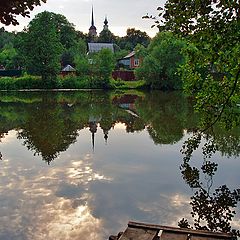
{"type": "Point", "coordinates": [67, 82]}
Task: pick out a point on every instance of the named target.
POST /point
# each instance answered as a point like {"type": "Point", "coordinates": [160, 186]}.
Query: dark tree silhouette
{"type": "Point", "coordinates": [11, 8]}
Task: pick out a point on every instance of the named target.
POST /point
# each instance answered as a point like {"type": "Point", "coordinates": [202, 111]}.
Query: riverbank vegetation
{"type": "Point", "coordinates": [194, 56]}
{"type": "Point", "coordinates": [50, 42]}
{"type": "Point", "coordinates": [30, 82]}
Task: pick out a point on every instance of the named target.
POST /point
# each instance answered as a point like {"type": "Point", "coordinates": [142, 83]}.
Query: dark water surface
{"type": "Point", "coordinates": [80, 165]}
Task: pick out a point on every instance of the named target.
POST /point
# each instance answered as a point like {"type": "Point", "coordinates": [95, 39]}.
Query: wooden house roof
{"type": "Point", "coordinates": [96, 47]}
{"type": "Point", "coordinates": [68, 68]}
{"type": "Point", "coordinates": [131, 54]}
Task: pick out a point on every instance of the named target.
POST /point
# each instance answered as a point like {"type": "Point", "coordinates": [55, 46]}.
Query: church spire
{"type": "Point", "coordinates": [105, 27]}
{"type": "Point", "coordinates": [92, 18]}
{"type": "Point", "coordinates": [92, 30]}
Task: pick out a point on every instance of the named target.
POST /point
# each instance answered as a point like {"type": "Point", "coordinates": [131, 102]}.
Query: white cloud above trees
{"type": "Point", "coordinates": [121, 14]}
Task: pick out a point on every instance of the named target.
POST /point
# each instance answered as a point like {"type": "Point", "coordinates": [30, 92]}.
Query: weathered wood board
{"type": "Point", "coordinates": [173, 236]}
{"type": "Point", "coordinates": [139, 234]}
{"type": "Point", "coordinates": [143, 231]}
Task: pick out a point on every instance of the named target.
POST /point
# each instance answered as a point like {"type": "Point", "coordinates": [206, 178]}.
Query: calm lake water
{"type": "Point", "coordinates": [80, 165]}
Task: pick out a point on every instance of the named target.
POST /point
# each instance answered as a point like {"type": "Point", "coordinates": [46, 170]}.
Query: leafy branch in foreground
{"type": "Point", "coordinates": [11, 8]}
{"type": "Point", "coordinates": [211, 72]}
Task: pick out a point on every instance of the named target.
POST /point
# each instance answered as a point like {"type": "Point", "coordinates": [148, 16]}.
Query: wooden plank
{"type": "Point", "coordinates": [173, 236]}
{"type": "Point", "coordinates": [139, 234]}
{"type": "Point", "coordinates": [180, 230]}
{"type": "Point", "coordinates": [184, 236]}
{"type": "Point", "coordinates": [207, 238]}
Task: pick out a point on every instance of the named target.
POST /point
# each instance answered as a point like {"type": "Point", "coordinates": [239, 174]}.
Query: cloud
{"type": "Point", "coordinates": [49, 203]}
{"type": "Point", "coordinates": [121, 14]}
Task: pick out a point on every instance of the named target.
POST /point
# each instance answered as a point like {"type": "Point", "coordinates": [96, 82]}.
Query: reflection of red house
{"type": "Point", "coordinates": [127, 98]}
{"type": "Point", "coordinates": [130, 61]}
{"type": "Point", "coordinates": [126, 101]}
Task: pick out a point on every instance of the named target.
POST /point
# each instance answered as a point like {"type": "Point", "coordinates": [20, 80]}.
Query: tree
{"type": "Point", "coordinates": [82, 65]}
{"type": "Point", "coordinates": [42, 48]}
{"type": "Point", "coordinates": [67, 34]}
{"type": "Point", "coordinates": [9, 9]}
{"type": "Point", "coordinates": [106, 36]}
{"type": "Point", "coordinates": [8, 56]}
{"type": "Point", "coordinates": [103, 64]}
{"type": "Point", "coordinates": [212, 70]}
{"type": "Point", "coordinates": [72, 41]}
{"type": "Point", "coordinates": [163, 58]}
{"type": "Point", "coordinates": [133, 38]}
{"type": "Point", "coordinates": [77, 50]}
{"type": "Point", "coordinates": [6, 37]}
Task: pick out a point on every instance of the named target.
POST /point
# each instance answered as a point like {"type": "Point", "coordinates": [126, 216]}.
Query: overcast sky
{"type": "Point", "coordinates": [121, 14]}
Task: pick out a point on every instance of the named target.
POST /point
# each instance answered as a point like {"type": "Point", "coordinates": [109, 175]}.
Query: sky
{"type": "Point", "coordinates": [121, 14]}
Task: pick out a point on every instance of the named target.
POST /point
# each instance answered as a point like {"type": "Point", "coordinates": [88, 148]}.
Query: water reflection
{"type": "Point", "coordinates": [112, 157]}
{"type": "Point", "coordinates": [212, 209]}
{"type": "Point", "coordinates": [52, 204]}
{"type": "Point", "coordinates": [49, 122]}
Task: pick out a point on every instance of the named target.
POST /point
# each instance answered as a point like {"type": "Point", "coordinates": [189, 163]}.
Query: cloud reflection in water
{"type": "Point", "coordinates": [35, 204]}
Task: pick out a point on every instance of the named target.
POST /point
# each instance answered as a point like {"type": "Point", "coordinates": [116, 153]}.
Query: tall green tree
{"type": "Point", "coordinates": [103, 65]}
{"type": "Point", "coordinates": [42, 48]}
{"type": "Point", "coordinates": [212, 69]}
{"type": "Point", "coordinates": [73, 42]}
{"type": "Point", "coordinates": [161, 62]}
{"type": "Point", "coordinates": [67, 33]}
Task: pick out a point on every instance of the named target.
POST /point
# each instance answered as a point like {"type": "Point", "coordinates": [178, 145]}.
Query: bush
{"type": "Point", "coordinates": [68, 82]}
{"type": "Point", "coordinates": [73, 82]}
{"type": "Point", "coordinates": [120, 84]}
{"type": "Point", "coordinates": [25, 82]}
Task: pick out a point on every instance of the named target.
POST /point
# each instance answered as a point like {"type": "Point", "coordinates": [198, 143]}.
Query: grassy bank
{"type": "Point", "coordinates": [68, 82]}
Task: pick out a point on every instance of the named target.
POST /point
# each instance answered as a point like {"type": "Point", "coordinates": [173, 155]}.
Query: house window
{"type": "Point", "coordinates": [136, 62]}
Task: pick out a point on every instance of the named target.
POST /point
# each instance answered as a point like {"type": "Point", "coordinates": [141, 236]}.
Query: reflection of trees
{"type": "Point", "coordinates": [1, 136]}
{"type": "Point", "coordinates": [166, 115]}
{"type": "Point", "coordinates": [211, 210]}
{"type": "Point", "coordinates": [49, 121]}
{"type": "Point", "coordinates": [216, 139]}
{"type": "Point", "coordinates": [48, 131]}
{"type": "Point", "coordinates": [227, 142]}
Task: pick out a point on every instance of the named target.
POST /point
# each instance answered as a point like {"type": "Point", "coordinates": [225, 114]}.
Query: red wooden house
{"type": "Point", "coordinates": [130, 61]}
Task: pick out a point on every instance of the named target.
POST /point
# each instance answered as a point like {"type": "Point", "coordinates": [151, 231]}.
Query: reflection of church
{"type": "Point", "coordinates": [107, 122]}
{"type": "Point", "coordinates": [93, 126]}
